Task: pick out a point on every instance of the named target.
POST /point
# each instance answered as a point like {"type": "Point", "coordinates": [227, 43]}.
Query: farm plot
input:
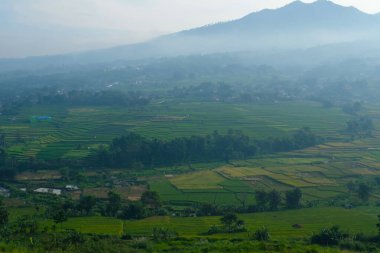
{"type": "Point", "coordinates": [203, 180]}
{"type": "Point", "coordinates": [224, 195]}
{"type": "Point", "coordinates": [251, 174]}
{"type": "Point", "coordinates": [39, 175]}
{"type": "Point", "coordinates": [95, 225]}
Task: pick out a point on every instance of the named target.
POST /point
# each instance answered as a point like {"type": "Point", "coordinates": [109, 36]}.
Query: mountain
{"type": "Point", "coordinates": [297, 26]}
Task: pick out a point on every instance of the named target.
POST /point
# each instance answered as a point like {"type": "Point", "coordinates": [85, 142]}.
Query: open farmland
{"type": "Point", "coordinates": [280, 224]}
{"type": "Point", "coordinates": [321, 172]}
{"type": "Point", "coordinates": [73, 132]}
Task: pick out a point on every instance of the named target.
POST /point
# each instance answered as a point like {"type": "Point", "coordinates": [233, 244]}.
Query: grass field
{"type": "Point", "coordinates": [280, 224]}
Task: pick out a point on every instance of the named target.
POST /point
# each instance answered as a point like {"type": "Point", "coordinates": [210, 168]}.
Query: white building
{"type": "Point", "coordinates": [49, 191]}
{"type": "Point", "coordinates": [72, 188]}
{"type": "Point", "coordinates": [5, 192]}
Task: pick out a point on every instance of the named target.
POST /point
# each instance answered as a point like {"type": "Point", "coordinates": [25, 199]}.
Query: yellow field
{"type": "Point", "coordinates": [294, 176]}
{"type": "Point", "coordinates": [203, 180]}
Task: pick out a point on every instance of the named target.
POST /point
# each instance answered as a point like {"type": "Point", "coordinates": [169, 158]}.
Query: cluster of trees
{"type": "Point", "coordinates": [112, 207]}
{"type": "Point", "coordinates": [85, 97]}
{"type": "Point", "coordinates": [3, 157]}
{"type": "Point", "coordinates": [352, 108]}
{"type": "Point", "coordinates": [3, 151]}
{"type": "Point", "coordinates": [363, 190]}
{"type": "Point", "coordinates": [134, 150]}
{"type": "Point", "coordinates": [75, 98]}
{"type": "Point", "coordinates": [6, 171]}
{"type": "Point", "coordinates": [360, 127]}
{"type": "Point", "coordinates": [4, 216]}
{"type": "Point", "coordinates": [230, 224]}
{"type": "Point", "coordinates": [335, 236]}
{"type": "Point", "coordinates": [265, 201]}
{"type": "Point", "coordinates": [271, 201]}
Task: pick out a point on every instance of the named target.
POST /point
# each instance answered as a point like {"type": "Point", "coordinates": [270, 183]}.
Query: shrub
{"type": "Point", "coordinates": [329, 236]}
{"type": "Point", "coordinates": [213, 230]}
{"type": "Point", "coordinates": [163, 234]}
{"type": "Point", "coordinates": [262, 234]}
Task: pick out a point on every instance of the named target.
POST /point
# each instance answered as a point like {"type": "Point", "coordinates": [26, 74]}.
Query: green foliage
{"type": "Point", "coordinates": [232, 224]}
{"type": "Point", "coordinates": [274, 199]}
{"type": "Point", "coordinates": [114, 203]}
{"type": "Point", "coordinates": [361, 127]}
{"type": "Point", "coordinates": [4, 215]}
{"type": "Point", "coordinates": [261, 234]}
{"type": "Point", "coordinates": [25, 225]}
{"type": "Point", "coordinates": [59, 216]}
{"type": "Point", "coordinates": [329, 236]}
{"type": "Point", "coordinates": [163, 234]}
{"type": "Point", "coordinates": [135, 151]}
{"type": "Point", "coordinates": [86, 204]}
{"type": "Point", "coordinates": [352, 108]}
{"type": "Point", "coordinates": [213, 230]}
{"type": "Point", "coordinates": [151, 199]}
{"type": "Point", "coordinates": [364, 191]}
{"type": "Point", "coordinates": [7, 173]}
{"type": "Point", "coordinates": [132, 211]}
{"type": "Point", "coordinates": [293, 198]}
{"type": "Point", "coordinates": [261, 197]}
{"type": "Point", "coordinates": [267, 200]}
{"type": "Point", "coordinates": [3, 156]}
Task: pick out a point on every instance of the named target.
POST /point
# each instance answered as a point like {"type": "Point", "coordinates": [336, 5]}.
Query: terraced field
{"type": "Point", "coordinates": [321, 172]}
{"type": "Point", "coordinates": [73, 132]}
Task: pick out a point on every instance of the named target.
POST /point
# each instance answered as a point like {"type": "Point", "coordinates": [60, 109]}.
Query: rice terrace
{"type": "Point", "coordinates": [258, 132]}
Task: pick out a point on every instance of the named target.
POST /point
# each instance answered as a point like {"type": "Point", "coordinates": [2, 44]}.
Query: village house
{"type": "Point", "coordinates": [48, 191]}
{"type": "Point", "coordinates": [4, 192]}
{"type": "Point", "coordinates": [72, 188]}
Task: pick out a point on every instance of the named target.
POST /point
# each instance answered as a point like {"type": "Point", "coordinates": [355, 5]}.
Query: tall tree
{"type": "Point", "coordinates": [261, 199]}
{"type": "Point", "coordinates": [232, 223]}
{"type": "Point", "coordinates": [59, 217]}
{"type": "Point", "coordinates": [293, 198]}
{"type": "Point", "coordinates": [3, 157]}
{"type": "Point", "coordinates": [114, 203]}
{"type": "Point", "coordinates": [4, 215]}
{"type": "Point", "coordinates": [274, 199]}
{"type": "Point", "coordinates": [86, 203]}
{"type": "Point", "coordinates": [364, 191]}
{"type": "Point", "coordinates": [133, 211]}
{"type": "Point", "coordinates": [151, 199]}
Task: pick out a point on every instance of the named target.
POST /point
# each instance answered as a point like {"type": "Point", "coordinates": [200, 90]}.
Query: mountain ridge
{"type": "Point", "coordinates": [297, 25]}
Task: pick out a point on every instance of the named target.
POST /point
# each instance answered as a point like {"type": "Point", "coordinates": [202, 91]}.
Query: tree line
{"type": "Point", "coordinates": [136, 151]}
{"type": "Point", "coordinates": [75, 98]}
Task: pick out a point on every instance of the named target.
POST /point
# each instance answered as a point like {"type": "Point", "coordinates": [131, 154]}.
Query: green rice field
{"type": "Point", "coordinates": [72, 132]}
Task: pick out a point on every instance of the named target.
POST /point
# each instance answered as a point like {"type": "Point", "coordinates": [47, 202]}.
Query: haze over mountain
{"type": "Point", "coordinates": [322, 25]}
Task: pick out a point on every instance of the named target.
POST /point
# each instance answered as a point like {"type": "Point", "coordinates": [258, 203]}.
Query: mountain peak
{"type": "Point", "coordinates": [323, 11]}
{"type": "Point", "coordinates": [318, 3]}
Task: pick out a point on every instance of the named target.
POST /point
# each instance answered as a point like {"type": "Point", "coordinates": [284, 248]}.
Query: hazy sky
{"type": "Point", "coordinates": [35, 27]}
